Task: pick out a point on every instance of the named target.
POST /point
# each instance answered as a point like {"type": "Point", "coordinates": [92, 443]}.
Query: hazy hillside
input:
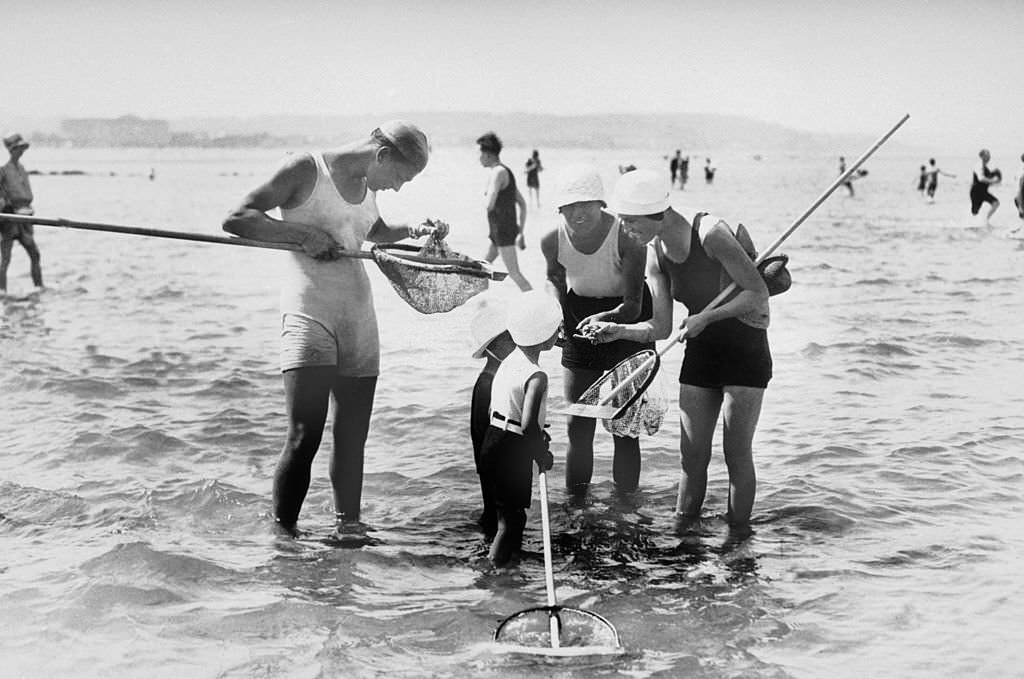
{"type": "Point", "coordinates": [661, 131]}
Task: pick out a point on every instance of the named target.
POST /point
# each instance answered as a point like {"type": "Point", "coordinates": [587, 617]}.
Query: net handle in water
{"type": "Point", "coordinates": [549, 571]}
{"type": "Point", "coordinates": [461, 266]}
{"type": "Point", "coordinates": [553, 609]}
{"type": "Point", "coordinates": [772, 247]}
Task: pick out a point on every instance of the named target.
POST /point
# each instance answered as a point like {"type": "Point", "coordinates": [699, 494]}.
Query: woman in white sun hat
{"type": "Point", "coordinates": [598, 274]}
{"type": "Point", "coordinates": [727, 364]}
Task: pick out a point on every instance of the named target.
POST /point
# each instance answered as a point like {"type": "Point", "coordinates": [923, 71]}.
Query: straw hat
{"type": "Point", "coordinates": [490, 320]}
{"type": "Point", "coordinates": [577, 183]}
{"type": "Point", "coordinates": [641, 192]}
{"type": "Point", "coordinates": [533, 317]}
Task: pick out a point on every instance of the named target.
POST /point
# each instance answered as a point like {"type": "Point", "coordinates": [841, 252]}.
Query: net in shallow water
{"type": "Point", "coordinates": [530, 631]}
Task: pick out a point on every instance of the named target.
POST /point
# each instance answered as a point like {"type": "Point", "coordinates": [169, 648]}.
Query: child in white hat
{"type": "Point", "coordinates": [515, 437]}
{"type": "Point", "coordinates": [491, 340]}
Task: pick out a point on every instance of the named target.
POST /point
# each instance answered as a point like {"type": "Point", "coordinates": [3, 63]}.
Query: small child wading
{"type": "Point", "coordinates": [515, 437]}
{"type": "Point", "coordinates": [491, 340]}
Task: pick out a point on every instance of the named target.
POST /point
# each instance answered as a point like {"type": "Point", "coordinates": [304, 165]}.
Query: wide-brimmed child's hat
{"type": "Point", "coordinates": [533, 317]}
{"type": "Point", "coordinates": [490, 320]}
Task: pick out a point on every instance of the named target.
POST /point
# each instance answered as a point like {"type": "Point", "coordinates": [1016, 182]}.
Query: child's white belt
{"type": "Point", "coordinates": [501, 422]}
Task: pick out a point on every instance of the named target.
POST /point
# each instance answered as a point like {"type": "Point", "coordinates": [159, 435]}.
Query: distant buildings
{"type": "Point", "coordinates": [123, 131]}
{"type": "Point", "coordinates": [132, 131]}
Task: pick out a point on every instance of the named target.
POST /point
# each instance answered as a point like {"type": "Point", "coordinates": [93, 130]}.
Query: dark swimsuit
{"type": "Point", "coordinates": [979, 191]}
{"type": "Point", "coordinates": [728, 352]}
{"type": "Point", "coordinates": [502, 219]}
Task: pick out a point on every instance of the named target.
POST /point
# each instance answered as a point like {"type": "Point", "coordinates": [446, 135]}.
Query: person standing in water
{"type": "Point", "coordinates": [1018, 200]}
{"type": "Point", "coordinates": [684, 171]}
{"type": "Point", "coordinates": [515, 438]}
{"type": "Point", "coordinates": [502, 198]}
{"type": "Point", "coordinates": [598, 273]}
{"type": "Point", "coordinates": [491, 341]}
{"type": "Point", "coordinates": [727, 364]}
{"type": "Point", "coordinates": [848, 183]}
{"type": "Point", "coordinates": [982, 180]}
{"type": "Point", "coordinates": [533, 170]}
{"type": "Point", "coordinates": [709, 172]}
{"type": "Point", "coordinates": [16, 198]}
{"type": "Point", "coordinates": [933, 178]}
{"type": "Point", "coordinates": [330, 348]}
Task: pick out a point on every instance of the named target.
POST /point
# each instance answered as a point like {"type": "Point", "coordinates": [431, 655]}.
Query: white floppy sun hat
{"type": "Point", "coordinates": [640, 192]}
{"type": "Point", "coordinates": [577, 183]}
{"type": "Point", "coordinates": [487, 323]}
{"type": "Point", "coordinates": [533, 317]}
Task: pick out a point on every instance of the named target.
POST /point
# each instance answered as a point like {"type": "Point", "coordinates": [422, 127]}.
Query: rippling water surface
{"type": "Point", "coordinates": [141, 416]}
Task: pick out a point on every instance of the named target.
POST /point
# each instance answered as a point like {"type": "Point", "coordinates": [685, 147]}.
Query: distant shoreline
{"type": "Point", "coordinates": [610, 131]}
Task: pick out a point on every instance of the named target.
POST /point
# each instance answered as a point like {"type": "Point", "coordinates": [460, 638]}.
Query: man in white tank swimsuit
{"type": "Point", "coordinates": [598, 274]}
{"type": "Point", "coordinates": [330, 346]}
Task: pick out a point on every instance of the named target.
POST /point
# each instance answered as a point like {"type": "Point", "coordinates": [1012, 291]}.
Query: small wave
{"type": "Point", "coordinates": [26, 507]}
{"type": "Point", "coordinates": [85, 387]}
{"type": "Point", "coordinates": [961, 341]}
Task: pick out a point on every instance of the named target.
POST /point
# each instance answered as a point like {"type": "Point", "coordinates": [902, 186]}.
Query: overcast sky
{"type": "Point", "coordinates": [828, 66]}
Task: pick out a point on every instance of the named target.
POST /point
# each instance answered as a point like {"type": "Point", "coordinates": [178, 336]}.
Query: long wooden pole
{"type": "Point", "coordinates": [469, 266]}
{"type": "Point", "coordinates": [772, 247]}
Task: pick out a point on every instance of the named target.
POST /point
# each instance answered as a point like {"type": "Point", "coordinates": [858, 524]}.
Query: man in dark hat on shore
{"type": "Point", "coordinates": [16, 198]}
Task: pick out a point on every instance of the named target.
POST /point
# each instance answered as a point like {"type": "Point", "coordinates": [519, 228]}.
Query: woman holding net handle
{"type": "Point", "coordinates": [329, 340]}
{"type": "Point", "coordinates": [727, 364]}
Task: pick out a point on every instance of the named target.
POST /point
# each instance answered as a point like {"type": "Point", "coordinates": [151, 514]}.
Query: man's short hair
{"type": "Point", "coordinates": [490, 143]}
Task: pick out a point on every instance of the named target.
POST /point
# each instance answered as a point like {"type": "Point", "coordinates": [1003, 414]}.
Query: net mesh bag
{"type": "Point", "coordinates": [645, 415]}
{"type": "Point", "coordinates": [622, 393]}
{"type": "Point", "coordinates": [431, 287]}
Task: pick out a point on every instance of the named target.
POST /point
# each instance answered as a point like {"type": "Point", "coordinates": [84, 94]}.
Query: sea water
{"type": "Point", "coordinates": [141, 416]}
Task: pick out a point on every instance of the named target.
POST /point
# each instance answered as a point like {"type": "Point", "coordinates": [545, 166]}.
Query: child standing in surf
{"type": "Point", "coordinates": [491, 340]}
{"type": "Point", "coordinates": [515, 436]}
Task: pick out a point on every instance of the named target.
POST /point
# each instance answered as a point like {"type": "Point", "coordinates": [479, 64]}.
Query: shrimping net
{"type": "Point", "coordinates": [643, 417]}
{"type": "Point", "coordinates": [621, 397]}
{"type": "Point", "coordinates": [579, 632]}
{"type": "Point", "coordinates": [432, 279]}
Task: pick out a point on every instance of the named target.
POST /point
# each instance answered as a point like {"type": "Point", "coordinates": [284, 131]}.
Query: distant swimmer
{"type": "Point", "coordinates": [673, 167]}
{"type": "Point", "coordinates": [842, 170]}
{"type": "Point", "coordinates": [709, 171]}
{"type": "Point", "coordinates": [982, 179]}
{"type": "Point", "coordinates": [1018, 200]}
{"type": "Point", "coordinates": [933, 177]}
{"type": "Point", "coordinates": [533, 170]}
{"type": "Point", "coordinates": [16, 198]}
{"type": "Point", "coordinates": [684, 171]}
